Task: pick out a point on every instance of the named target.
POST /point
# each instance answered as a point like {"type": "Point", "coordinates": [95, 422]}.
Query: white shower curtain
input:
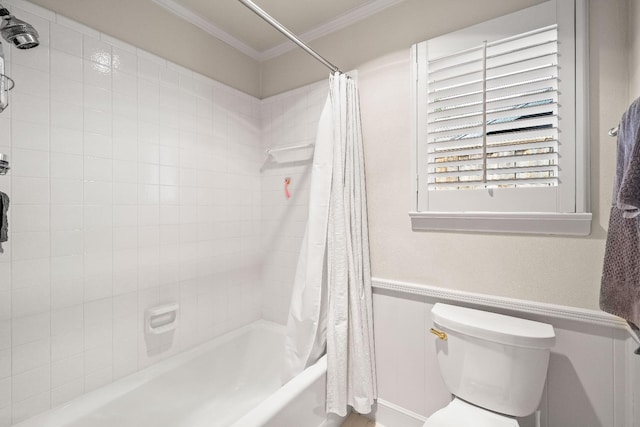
{"type": "Point", "coordinates": [331, 305]}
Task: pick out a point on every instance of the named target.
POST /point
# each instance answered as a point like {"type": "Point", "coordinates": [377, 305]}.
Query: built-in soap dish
{"type": "Point", "coordinates": [161, 318]}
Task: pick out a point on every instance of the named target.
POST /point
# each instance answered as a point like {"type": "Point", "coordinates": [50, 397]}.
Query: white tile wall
{"type": "Point", "coordinates": [135, 189]}
{"type": "Point", "coordinates": [134, 182]}
{"type": "Point", "coordinates": [287, 119]}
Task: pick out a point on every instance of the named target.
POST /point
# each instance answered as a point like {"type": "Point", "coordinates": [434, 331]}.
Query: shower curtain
{"type": "Point", "coordinates": [331, 306]}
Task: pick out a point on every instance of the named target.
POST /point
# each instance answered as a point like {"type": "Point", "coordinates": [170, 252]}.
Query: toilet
{"type": "Point", "coordinates": [495, 366]}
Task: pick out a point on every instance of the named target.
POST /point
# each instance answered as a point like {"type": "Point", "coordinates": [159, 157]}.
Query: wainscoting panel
{"type": "Point", "coordinates": [593, 373]}
{"type": "Point", "coordinates": [632, 385]}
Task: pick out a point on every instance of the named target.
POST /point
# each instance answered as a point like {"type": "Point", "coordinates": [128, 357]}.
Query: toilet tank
{"type": "Point", "coordinates": [491, 360]}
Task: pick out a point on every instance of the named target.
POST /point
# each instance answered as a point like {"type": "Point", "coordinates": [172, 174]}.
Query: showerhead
{"type": "Point", "coordinates": [21, 34]}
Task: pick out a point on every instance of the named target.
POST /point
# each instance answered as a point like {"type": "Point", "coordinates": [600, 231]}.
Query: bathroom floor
{"type": "Point", "coordinates": [357, 420]}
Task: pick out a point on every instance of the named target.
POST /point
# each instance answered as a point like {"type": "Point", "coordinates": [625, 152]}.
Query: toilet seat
{"type": "Point", "coordinates": [459, 413]}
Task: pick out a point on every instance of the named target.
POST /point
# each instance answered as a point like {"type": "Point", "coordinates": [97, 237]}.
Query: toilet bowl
{"type": "Point", "coordinates": [494, 365]}
{"type": "Point", "coordinates": [459, 413]}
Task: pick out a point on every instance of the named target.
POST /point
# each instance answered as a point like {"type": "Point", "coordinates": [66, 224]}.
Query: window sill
{"type": "Point", "coordinates": [570, 224]}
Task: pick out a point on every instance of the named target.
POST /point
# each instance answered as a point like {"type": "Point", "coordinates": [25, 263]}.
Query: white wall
{"type": "Point", "coordinates": [134, 182]}
{"type": "Point", "coordinates": [559, 270]}
{"type": "Point", "coordinates": [633, 38]}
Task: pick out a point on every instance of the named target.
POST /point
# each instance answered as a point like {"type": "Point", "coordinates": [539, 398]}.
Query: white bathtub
{"type": "Point", "coordinates": [231, 380]}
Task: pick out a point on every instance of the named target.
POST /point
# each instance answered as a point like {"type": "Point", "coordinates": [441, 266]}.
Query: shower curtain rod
{"type": "Point", "coordinates": [278, 26]}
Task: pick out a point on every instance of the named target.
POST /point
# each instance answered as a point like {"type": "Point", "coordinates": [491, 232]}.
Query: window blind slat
{"type": "Point", "coordinates": [530, 108]}
{"type": "Point", "coordinates": [476, 132]}
{"type": "Point", "coordinates": [537, 71]}
{"type": "Point", "coordinates": [497, 183]}
{"type": "Point", "coordinates": [522, 169]}
{"type": "Point", "coordinates": [522, 145]}
{"type": "Point", "coordinates": [462, 151]}
{"type": "Point", "coordinates": [525, 122]}
{"type": "Point", "coordinates": [495, 100]}
{"type": "Point", "coordinates": [522, 140]}
{"type": "Point", "coordinates": [455, 161]}
{"type": "Point", "coordinates": [462, 74]}
{"type": "Point", "coordinates": [523, 135]}
{"type": "Point", "coordinates": [497, 123]}
{"type": "Point", "coordinates": [471, 61]}
{"type": "Point", "coordinates": [524, 51]}
{"type": "Point", "coordinates": [506, 109]}
{"type": "Point", "coordinates": [492, 159]}
{"type": "Point", "coordinates": [500, 86]}
{"type": "Point", "coordinates": [515, 38]}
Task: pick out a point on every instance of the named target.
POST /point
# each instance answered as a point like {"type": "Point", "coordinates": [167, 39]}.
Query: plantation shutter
{"type": "Point", "coordinates": [492, 114]}
{"type": "Point", "coordinates": [500, 122]}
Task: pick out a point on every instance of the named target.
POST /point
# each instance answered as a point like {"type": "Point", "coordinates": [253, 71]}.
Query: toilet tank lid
{"type": "Point", "coordinates": [493, 327]}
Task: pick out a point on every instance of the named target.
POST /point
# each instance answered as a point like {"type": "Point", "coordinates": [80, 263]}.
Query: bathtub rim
{"type": "Point", "coordinates": [278, 401]}
{"type": "Point", "coordinates": [90, 401]}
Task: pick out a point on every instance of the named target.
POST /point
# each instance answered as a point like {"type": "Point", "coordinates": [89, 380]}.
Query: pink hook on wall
{"type": "Point", "coordinates": [287, 181]}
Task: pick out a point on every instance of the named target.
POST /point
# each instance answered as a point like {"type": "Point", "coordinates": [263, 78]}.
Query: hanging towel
{"type": "Point", "coordinates": [620, 286]}
{"type": "Point", "coordinates": [4, 219]}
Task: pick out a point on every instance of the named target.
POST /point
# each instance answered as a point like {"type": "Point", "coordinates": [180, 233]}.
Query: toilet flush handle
{"type": "Point", "coordinates": [440, 334]}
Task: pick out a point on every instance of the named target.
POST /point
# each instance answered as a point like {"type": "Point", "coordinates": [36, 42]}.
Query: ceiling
{"type": "Point", "coordinates": [225, 41]}
{"type": "Point", "coordinates": [235, 24]}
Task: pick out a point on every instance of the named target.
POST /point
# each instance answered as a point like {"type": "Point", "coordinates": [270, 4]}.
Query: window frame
{"type": "Point", "coordinates": [575, 221]}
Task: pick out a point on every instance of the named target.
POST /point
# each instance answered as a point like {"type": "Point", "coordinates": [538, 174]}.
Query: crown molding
{"type": "Point", "coordinates": [341, 21]}
{"type": "Point", "coordinates": [208, 27]}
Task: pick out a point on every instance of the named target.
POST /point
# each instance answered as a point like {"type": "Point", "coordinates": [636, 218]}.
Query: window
{"type": "Point", "coordinates": [501, 124]}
